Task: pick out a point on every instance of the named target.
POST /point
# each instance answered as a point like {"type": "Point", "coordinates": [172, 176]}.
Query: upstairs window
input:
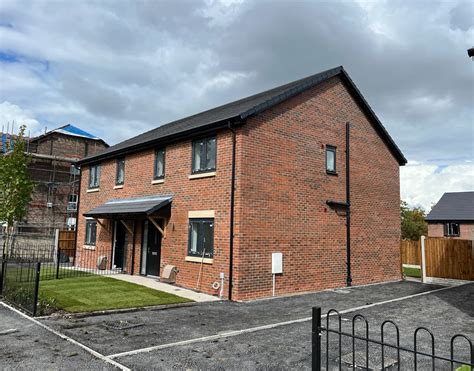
{"type": "Point", "coordinates": [91, 232]}
{"type": "Point", "coordinates": [72, 203]}
{"type": "Point", "coordinates": [331, 159]}
{"type": "Point", "coordinates": [120, 172]}
{"type": "Point", "coordinates": [94, 176]}
{"type": "Point", "coordinates": [201, 238]}
{"type": "Point", "coordinates": [204, 155]}
{"type": "Point", "coordinates": [159, 172]}
{"type": "Point", "coordinates": [451, 230]}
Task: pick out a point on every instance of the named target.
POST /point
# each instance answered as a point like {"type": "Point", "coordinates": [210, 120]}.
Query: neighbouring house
{"type": "Point", "coordinates": [452, 216]}
{"type": "Point", "coordinates": [55, 177]}
{"type": "Point", "coordinates": [219, 192]}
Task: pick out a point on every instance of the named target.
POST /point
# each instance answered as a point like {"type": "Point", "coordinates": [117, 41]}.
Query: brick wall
{"type": "Point", "coordinates": [69, 146]}
{"type": "Point", "coordinates": [284, 188]}
{"type": "Point", "coordinates": [281, 193]}
{"type": "Point", "coordinates": [466, 230]}
{"type": "Point", "coordinates": [211, 193]}
{"type": "Point", "coordinates": [46, 172]}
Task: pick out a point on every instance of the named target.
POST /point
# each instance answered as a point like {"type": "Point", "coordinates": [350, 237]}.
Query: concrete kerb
{"type": "Point", "coordinates": [270, 326]}
{"type": "Point", "coordinates": [123, 310]}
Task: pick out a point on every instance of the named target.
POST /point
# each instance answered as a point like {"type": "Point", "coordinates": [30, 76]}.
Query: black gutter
{"type": "Point", "coordinates": [231, 222]}
{"type": "Point", "coordinates": [348, 208]}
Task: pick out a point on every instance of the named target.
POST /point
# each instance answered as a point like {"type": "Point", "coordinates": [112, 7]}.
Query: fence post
{"type": "Point", "coordinates": [58, 252]}
{"type": "Point", "coordinates": [2, 275]}
{"type": "Point", "coordinates": [423, 260]}
{"type": "Point", "coordinates": [316, 340]}
{"type": "Point", "coordinates": [37, 281]}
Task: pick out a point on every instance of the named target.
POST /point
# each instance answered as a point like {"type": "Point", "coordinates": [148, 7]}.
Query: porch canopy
{"type": "Point", "coordinates": [129, 208]}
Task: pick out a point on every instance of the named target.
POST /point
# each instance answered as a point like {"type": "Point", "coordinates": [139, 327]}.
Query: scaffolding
{"type": "Point", "coordinates": [56, 186]}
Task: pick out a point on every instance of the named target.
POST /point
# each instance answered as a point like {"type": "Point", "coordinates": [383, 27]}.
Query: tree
{"type": "Point", "coordinates": [412, 221]}
{"type": "Point", "coordinates": [15, 186]}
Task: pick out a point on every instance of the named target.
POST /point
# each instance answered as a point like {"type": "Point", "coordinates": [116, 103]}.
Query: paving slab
{"type": "Point", "coordinates": [153, 283]}
{"type": "Point", "coordinates": [205, 319]}
{"type": "Point", "coordinates": [25, 345]}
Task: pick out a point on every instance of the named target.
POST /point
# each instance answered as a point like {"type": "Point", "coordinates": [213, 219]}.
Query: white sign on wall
{"type": "Point", "coordinates": [277, 263]}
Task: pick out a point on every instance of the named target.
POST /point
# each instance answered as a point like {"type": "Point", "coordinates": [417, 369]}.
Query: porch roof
{"type": "Point", "coordinates": [129, 207]}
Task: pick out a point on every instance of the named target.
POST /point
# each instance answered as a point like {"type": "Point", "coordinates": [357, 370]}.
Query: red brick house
{"type": "Point", "coordinates": [452, 216]}
{"type": "Point", "coordinates": [220, 191]}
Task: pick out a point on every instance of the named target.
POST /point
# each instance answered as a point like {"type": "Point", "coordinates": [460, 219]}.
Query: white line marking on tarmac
{"type": "Point", "coordinates": [75, 342]}
{"type": "Point", "coordinates": [8, 332]}
{"type": "Point", "coordinates": [267, 327]}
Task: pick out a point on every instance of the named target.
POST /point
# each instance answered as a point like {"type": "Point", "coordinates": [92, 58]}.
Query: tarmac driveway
{"type": "Point", "coordinates": [263, 334]}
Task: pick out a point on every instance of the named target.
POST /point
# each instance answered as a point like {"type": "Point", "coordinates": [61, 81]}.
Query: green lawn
{"type": "Point", "coordinates": [92, 293]}
{"type": "Point", "coordinates": [412, 272]}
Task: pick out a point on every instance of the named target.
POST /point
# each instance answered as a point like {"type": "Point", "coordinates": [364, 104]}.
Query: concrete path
{"type": "Point", "coordinates": [153, 283]}
{"type": "Point", "coordinates": [445, 281]}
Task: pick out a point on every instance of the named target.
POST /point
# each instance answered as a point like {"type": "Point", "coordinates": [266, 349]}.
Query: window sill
{"type": "Point", "coordinates": [157, 181]}
{"type": "Point", "coordinates": [333, 173]}
{"type": "Point", "coordinates": [202, 175]}
{"type": "Point", "coordinates": [196, 259]}
{"type": "Point", "coordinates": [88, 247]}
{"type": "Point", "coordinates": [91, 190]}
{"type": "Point", "coordinates": [120, 186]}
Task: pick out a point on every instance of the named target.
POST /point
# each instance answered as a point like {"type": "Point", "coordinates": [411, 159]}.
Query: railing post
{"type": "Point", "coordinates": [37, 281]}
{"type": "Point", "coordinates": [316, 340]}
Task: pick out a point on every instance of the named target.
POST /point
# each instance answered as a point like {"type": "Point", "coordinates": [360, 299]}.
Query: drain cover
{"type": "Point", "coordinates": [375, 361]}
{"type": "Point", "coordinates": [121, 325]}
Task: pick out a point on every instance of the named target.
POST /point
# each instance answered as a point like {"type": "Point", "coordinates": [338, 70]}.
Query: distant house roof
{"type": "Point", "coordinates": [71, 130]}
{"type": "Point", "coordinates": [237, 112]}
{"type": "Point", "coordinates": [456, 206]}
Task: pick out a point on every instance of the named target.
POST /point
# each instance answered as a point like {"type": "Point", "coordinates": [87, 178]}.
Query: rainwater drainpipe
{"type": "Point", "coordinates": [348, 209]}
{"type": "Point", "coordinates": [232, 197]}
{"type": "Point", "coordinates": [132, 270]}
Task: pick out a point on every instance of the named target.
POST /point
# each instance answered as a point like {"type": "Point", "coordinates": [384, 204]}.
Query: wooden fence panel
{"type": "Point", "coordinates": [449, 258]}
{"type": "Point", "coordinates": [67, 240]}
{"type": "Point", "coordinates": [410, 252]}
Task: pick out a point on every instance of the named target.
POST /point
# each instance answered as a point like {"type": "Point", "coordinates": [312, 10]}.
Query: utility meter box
{"type": "Point", "coordinates": [277, 263]}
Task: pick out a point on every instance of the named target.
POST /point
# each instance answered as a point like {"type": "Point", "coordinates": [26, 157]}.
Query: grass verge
{"type": "Point", "coordinates": [412, 272]}
{"type": "Point", "coordinates": [93, 293]}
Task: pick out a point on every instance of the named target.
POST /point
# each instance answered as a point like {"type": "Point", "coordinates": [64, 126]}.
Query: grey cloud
{"type": "Point", "coordinates": [462, 16]}
{"type": "Point", "coordinates": [143, 63]}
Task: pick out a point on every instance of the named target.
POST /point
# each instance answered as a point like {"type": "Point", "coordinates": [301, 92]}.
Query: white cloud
{"type": "Point", "coordinates": [133, 65]}
{"type": "Point", "coordinates": [11, 114]}
{"type": "Point", "coordinates": [423, 184]}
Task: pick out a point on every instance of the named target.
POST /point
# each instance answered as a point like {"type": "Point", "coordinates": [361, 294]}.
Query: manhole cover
{"type": "Point", "coordinates": [375, 361]}
{"type": "Point", "coordinates": [121, 325]}
{"type": "Point", "coordinates": [342, 291]}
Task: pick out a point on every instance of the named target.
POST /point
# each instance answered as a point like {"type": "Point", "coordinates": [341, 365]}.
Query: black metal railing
{"type": "Point", "coordinates": [19, 284]}
{"type": "Point", "coordinates": [24, 265]}
{"type": "Point", "coordinates": [373, 353]}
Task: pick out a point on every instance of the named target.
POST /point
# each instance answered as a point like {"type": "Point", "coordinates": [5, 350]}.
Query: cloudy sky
{"type": "Point", "coordinates": [117, 68]}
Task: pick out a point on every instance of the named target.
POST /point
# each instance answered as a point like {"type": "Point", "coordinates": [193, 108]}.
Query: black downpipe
{"type": "Point", "coordinates": [348, 210]}
{"type": "Point", "coordinates": [133, 247]}
{"type": "Point", "coordinates": [231, 227]}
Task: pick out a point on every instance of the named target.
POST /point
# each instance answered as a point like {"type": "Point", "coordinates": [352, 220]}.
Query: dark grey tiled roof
{"type": "Point", "coordinates": [458, 206]}
{"type": "Point", "coordinates": [130, 206]}
{"type": "Point", "coordinates": [239, 110]}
